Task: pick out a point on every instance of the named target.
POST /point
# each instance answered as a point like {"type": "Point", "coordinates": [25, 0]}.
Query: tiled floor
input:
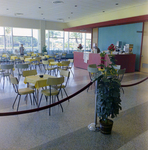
{"type": "Point", "coordinates": [68, 130]}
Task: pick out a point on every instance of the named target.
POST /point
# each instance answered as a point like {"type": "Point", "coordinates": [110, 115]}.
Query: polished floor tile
{"type": "Point", "coordinates": [68, 130]}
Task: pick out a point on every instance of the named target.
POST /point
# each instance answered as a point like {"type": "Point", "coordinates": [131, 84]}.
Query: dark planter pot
{"type": "Point", "coordinates": [106, 128]}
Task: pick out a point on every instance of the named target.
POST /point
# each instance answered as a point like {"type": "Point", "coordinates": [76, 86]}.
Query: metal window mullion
{"type": "Point", "coordinates": [32, 39]}
{"type": "Point", "coordinates": [12, 38]}
{"type": "Point", "coordinates": [68, 41]}
{"type": "Point", "coordinates": [63, 41]}
{"type": "Point", "coordinates": [4, 40]}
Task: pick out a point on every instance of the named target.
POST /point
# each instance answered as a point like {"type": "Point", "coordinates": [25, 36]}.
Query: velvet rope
{"type": "Point", "coordinates": [135, 83]}
{"type": "Point", "coordinates": [61, 101]}
{"type": "Point", "coordinates": [47, 106]}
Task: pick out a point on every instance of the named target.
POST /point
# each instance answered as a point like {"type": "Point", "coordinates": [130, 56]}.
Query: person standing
{"type": "Point", "coordinates": [21, 50]}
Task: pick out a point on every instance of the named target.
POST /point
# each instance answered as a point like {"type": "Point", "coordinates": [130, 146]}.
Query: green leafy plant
{"type": "Point", "coordinates": [44, 49]}
{"type": "Point", "coordinates": [108, 92]}
{"type": "Point", "coordinates": [102, 54]}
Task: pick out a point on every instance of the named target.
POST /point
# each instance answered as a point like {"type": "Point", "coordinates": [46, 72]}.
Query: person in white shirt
{"type": "Point", "coordinates": [21, 50]}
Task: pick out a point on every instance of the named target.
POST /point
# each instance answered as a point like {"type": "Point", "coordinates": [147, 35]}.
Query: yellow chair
{"type": "Point", "coordinates": [64, 65]}
{"type": "Point", "coordinates": [70, 65]}
{"type": "Point", "coordinates": [30, 73]}
{"type": "Point", "coordinates": [48, 67]}
{"type": "Point", "coordinates": [66, 75]}
{"type": "Point", "coordinates": [120, 74]}
{"type": "Point", "coordinates": [21, 68]}
{"type": "Point", "coordinates": [20, 92]}
{"type": "Point", "coordinates": [93, 72]}
{"type": "Point", "coordinates": [6, 71]}
{"type": "Point", "coordinates": [50, 92]}
{"type": "Point", "coordinates": [37, 62]}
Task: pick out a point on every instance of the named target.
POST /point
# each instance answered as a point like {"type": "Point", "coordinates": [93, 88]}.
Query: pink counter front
{"type": "Point", "coordinates": [93, 59]}
{"type": "Point", "coordinates": [125, 60]}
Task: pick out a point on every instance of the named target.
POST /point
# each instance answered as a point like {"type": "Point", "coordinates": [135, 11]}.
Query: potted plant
{"type": "Point", "coordinates": [102, 54]}
{"type": "Point", "coordinates": [108, 102]}
{"type": "Point", "coordinates": [80, 47]}
{"type": "Point", "coordinates": [44, 49]}
{"type": "Point", "coordinates": [111, 48]}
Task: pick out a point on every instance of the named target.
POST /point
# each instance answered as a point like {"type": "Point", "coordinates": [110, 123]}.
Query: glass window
{"type": "Point", "coordinates": [8, 39]}
{"type": "Point", "coordinates": [26, 41]}
{"type": "Point", "coordinates": [66, 41]}
{"type": "Point", "coordinates": [56, 44]}
{"type": "Point", "coordinates": [88, 41]}
{"type": "Point", "coordinates": [1, 30]}
{"type": "Point", "coordinates": [21, 32]}
{"type": "Point", "coordinates": [1, 43]}
{"type": "Point", "coordinates": [35, 40]}
{"type": "Point", "coordinates": [55, 40]}
{"type": "Point", "coordinates": [56, 34]}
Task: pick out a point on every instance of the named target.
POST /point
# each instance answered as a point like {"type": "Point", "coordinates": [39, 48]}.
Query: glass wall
{"type": "Point", "coordinates": [67, 41]}
{"type": "Point", "coordinates": [12, 38]}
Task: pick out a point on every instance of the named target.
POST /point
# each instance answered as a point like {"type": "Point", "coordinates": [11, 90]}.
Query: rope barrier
{"type": "Point", "coordinates": [61, 101]}
{"type": "Point", "coordinates": [135, 83]}
{"type": "Point", "coordinates": [47, 106]}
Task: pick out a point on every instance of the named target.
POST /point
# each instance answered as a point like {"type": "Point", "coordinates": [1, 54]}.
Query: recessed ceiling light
{"type": "Point", "coordinates": [75, 5]}
{"type": "Point", "coordinates": [117, 4]}
{"type": "Point", "coordinates": [58, 2]}
{"type": "Point", "coordinates": [60, 19]}
{"type": "Point", "coordinates": [18, 14]}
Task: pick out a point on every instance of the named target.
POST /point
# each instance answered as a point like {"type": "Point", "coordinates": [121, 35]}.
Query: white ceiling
{"type": "Point", "coordinates": [61, 12]}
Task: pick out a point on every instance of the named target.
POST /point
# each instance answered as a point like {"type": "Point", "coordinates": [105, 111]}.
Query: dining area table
{"type": "Point", "coordinates": [39, 81]}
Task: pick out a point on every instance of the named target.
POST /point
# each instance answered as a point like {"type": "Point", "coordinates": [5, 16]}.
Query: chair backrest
{"type": "Point", "coordinates": [51, 60]}
{"type": "Point", "coordinates": [92, 68]}
{"type": "Point", "coordinates": [38, 59]}
{"type": "Point", "coordinates": [26, 57]}
{"type": "Point", "coordinates": [117, 67]}
{"type": "Point", "coordinates": [22, 58]}
{"type": "Point", "coordinates": [65, 63]}
{"type": "Point", "coordinates": [22, 66]}
{"type": "Point", "coordinates": [13, 79]}
{"type": "Point", "coordinates": [14, 82]}
{"type": "Point", "coordinates": [29, 73]}
{"type": "Point", "coordinates": [55, 81]}
{"type": "Point", "coordinates": [6, 66]}
{"type": "Point", "coordinates": [45, 62]}
{"type": "Point", "coordinates": [121, 73]}
{"type": "Point", "coordinates": [92, 65]}
{"type": "Point", "coordinates": [93, 71]}
{"type": "Point", "coordinates": [65, 73]}
{"type": "Point", "coordinates": [71, 61]}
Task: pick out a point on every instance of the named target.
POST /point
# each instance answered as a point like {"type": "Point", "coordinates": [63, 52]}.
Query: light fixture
{"type": "Point", "coordinates": [58, 2]}
{"type": "Point", "coordinates": [60, 19]}
{"type": "Point", "coordinates": [18, 14]}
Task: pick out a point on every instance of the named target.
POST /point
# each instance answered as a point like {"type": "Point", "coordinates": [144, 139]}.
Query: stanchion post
{"type": "Point", "coordinates": [93, 126]}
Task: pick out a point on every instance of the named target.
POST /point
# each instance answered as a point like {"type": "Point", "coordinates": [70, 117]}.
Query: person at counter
{"type": "Point", "coordinates": [95, 48]}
